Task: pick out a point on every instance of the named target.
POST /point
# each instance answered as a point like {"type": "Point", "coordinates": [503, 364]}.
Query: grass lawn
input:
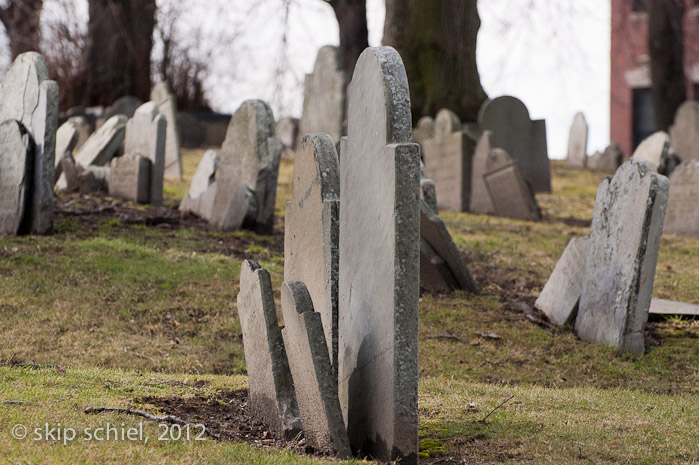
{"type": "Point", "coordinates": [110, 312]}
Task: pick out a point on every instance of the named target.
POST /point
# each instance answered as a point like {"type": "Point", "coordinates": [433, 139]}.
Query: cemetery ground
{"type": "Point", "coordinates": [134, 307]}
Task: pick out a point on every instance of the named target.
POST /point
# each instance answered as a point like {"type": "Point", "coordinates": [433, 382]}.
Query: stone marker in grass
{"type": "Point", "coordinates": [146, 136]}
{"type": "Point", "coordinates": [654, 149]}
{"type": "Point", "coordinates": [480, 198]}
{"type": "Point", "coordinates": [424, 129]}
{"type": "Point", "coordinates": [510, 194]}
{"type": "Point", "coordinates": [577, 142]}
{"type": "Point", "coordinates": [199, 199]}
{"type": "Point", "coordinates": [609, 160]}
{"type": "Point", "coordinates": [682, 216]}
{"type": "Point", "coordinates": [685, 131]}
{"type": "Point", "coordinates": [167, 105]}
{"type": "Point", "coordinates": [130, 178]}
{"type": "Point", "coordinates": [103, 144]}
{"type": "Point", "coordinates": [16, 151]}
{"type": "Point", "coordinates": [66, 140]}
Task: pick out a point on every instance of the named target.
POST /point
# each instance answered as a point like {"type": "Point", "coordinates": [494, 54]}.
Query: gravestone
{"type": "Point", "coordinates": [314, 381]}
{"type": "Point", "coordinates": [248, 167]}
{"type": "Point", "coordinates": [145, 136]}
{"type": "Point", "coordinates": [577, 142]}
{"type": "Point", "coordinates": [561, 295]}
{"type": "Point", "coordinates": [324, 96]}
{"type": "Point", "coordinates": [668, 307]}
{"type": "Point", "coordinates": [525, 140]}
{"type": "Point", "coordinates": [28, 96]}
{"type": "Point", "coordinates": [130, 178]}
{"type": "Point", "coordinates": [287, 130]}
{"type": "Point", "coordinates": [85, 180]}
{"type": "Point", "coordinates": [379, 262]}
{"type": "Point", "coordinates": [509, 193]}
{"type": "Point", "coordinates": [682, 215]}
{"type": "Point", "coordinates": [428, 191]}
{"type": "Point", "coordinates": [447, 157]}
{"type": "Point", "coordinates": [424, 129]}
{"type": "Point", "coordinates": [622, 255]}
{"type": "Point", "coordinates": [685, 131]}
{"type": "Point", "coordinates": [16, 156]}
{"type": "Point", "coordinates": [167, 105]}
{"type": "Point", "coordinates": [103, 144]}
{"type": "Point", "coordinates": [311, 235]}
{"type": "Point", "coordinates": [480, 198]}
{"type": "Point", "coordinates": [609, 160]}
{"type": "Point", "coordinates": [125, 106]}
{"type": "Point", "coordinates": [202, 191]}
{"type": "Point", "coordinates": [271, 397]}
{"type": "Point", "coordinates": [66, 139]}
{"type": "Point", "coordinates": [654, 149]}
{"type": "Point", "coordinates": [84, 130]}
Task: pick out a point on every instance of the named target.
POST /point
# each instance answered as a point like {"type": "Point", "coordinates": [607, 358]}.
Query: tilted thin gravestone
{"type": "Point", "coordinates": [130, 178]}
{"type": "Point", "coordinates": [577, 142]}
{"type": "Point", "coordinates": [480, 198]}
{"type": "Point", "coordinates": [654, 149]}
{"type": "Point", "coordinates": [103, 144]}
{"type": "Point", "coordinates": [314, 381]}
{"type": "Point", "coordinates": [16, 157]}
{"type": "Point", "coordinates": [609, 160]}
{"type": "Point", "coordinates": [28, 96]}
{"type": "Point", "coordinates": [509, 193]}
{"type": "Point", "coordinates": [248, 168]}
{"type": "Point", "coordinates": [145, 136]}
{"type": "Point", "coordinates": [525, 140]}
{"type": "Point", "coordinates": [379, 262]}
{"type": "Point", "coordinates": [311, 231]}
{"type": "Point", "coordinates": [621, 257]}
{"type": "Point", "coordinates": [202, 191]}
{"type": "Point", "coordinates": [561, 295]}
{"type": "Point", "coordinates": [324, 96]}
{"type": "Point", "coordinates": [271, 398]}
{"type": "Point", "coordinates": [447, 157]}
{"type": "Point", "coordinates": [167, 104]}
{"type": "Point", "coordinates": [66, 140]}
{"type": "Point", "coordinates": [424, 129]}
{"type": "Point", "coordinates": [682, 216]}
{"type": "Point", "coordinates": [84, 130]}
{"type": "Point", "coordinates": [685, 131]}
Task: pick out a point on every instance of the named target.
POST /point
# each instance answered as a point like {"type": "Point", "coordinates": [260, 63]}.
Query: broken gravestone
{"type": "Point", "coordinates": [682, 216]}
{"type": "Point", "coordinates": [167, 105]}
{"type": "Point", "coordinates": [271, 397]}
{"type": "Point", "coordinates": [16, 150]}
{"type": "Point", "coordinates": [85, 180]}
{"type": "Point", "coordinates": [480, 198]}
{"type": "Point", "coordinates": [609, 160]}
{"type": "Point", "coordinates": [66, 140]}
{"type": "Point", "coordinates": [510, 194]}
{"type": "Point", "coordinates": [130, 178]}
{"type": "Point", "coordinates": [103, 144]}
{"type": "Point", "coordinates": [202, 190]}
{"type": "Point", "coordinates": [685, 131]}
{"type": "Point", "coordinates": [379, 262]}
{"type": "Point", "coordinates": [622, 255]}
{"type": "Point", "coordinates": [145, 136]}
{"type": "Point", "coordinates": [577, 142]}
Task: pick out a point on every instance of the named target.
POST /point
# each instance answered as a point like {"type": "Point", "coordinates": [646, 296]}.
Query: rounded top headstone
{"type": "Point", "coordinates": [653, 148]}
{"type": "Point", "coordinates": [316, 167]}
{"type": "Point", "coordinates": [504, 109]}
{"type": "Point", "coordinates": [446, 122]}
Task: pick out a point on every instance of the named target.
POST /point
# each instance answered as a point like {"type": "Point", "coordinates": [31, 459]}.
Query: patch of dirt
{"type": "Point", "coordinates": [576, 222]}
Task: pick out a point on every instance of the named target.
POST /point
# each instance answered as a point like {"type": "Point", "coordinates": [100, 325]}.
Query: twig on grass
{"type": "Point", "coordinates": [445, 336]}
{"type": "Point", "coordinates": [164, 418]}
{"type": "Point", "coordinates": [29, 402]}
{"type": "Point", "coordinates": [493, 411]}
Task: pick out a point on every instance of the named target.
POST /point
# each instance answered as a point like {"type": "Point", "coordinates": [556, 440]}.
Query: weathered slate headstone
{"type": "Point", "coordinates": [480, 198]}
{"type": "Point", "coordinates": [125, 106]}
{"type": "Point", "coordinates": [609, 160]}
{"type": "Point", "coordinates": [685, 132]}
{"type": "Point", "coordinates": [577, 142]}
{"type": "Point", "coordinates": [287, 130]}
{"type": "Point", "coordinates": [654, 149]}
{"type": "Point", "coordinates": [249, 160]}
{"type": "Point", "coordinates": [103, 144]}
{"type": "Point", "coordinates": [509, 193]}
{"type": "Point", "coordinates": [30, 98]}
{"type": "Point", "coordinates": [622, 255]}
{"type": "Point", "coordinates": [66, 139]}
{"type": "Point", "coordinates": [561, 295]}
{"type": "Point", "coordinates": [447, 157]}
{"type": "Point", "coordinates": [16, 157]}
{"type": "Point", "coordinates": [314, 381]}
{"type": "Point", "coordinates": [424, 129]}
{"type": "Point", "coordinates": [167, 104]}
{"type": "Point", "coordinates": [379, 262]}
{"type": "Point", "coordinates": [682, 216]}
{"type": "Point", "coordinates": [311, 235]}
{"type": "Point", "coordinates": [145, 136]}
{"type": "Point", "coordinates": [130, 178]}
{"type": "Point", "coordinates": [271, 398]}
{"type": "Point", "coordinates": [525, 140]}
{"type": "Point", "coordinates": [324, 96]}
{"type": "Point", "coordinates": [202, 191]}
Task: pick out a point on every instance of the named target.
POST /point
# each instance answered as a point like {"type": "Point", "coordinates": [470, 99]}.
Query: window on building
{"type": "Point", "coordinates": [643, 115]}
{"type": "Point", "coordinates": [640, 5]}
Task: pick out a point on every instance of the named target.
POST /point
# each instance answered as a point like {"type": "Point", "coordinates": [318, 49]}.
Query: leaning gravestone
{"type": "Point", "coordinates": [379, 262]}
{"type": "Point", "coordinates": [103, 144]}
{"type": "Point", "coordinates": [324, 96]}
{"type": "Point", "coordinates": [167, 105]}
{"type": "Point", "coordinates": [428, 191]}
{"type": "Point", "coordinates": [447, 157]}
{"type": "Point", "coordinates": [125, 106]}
{"type": "Point", "coordinates": [130, 178]}
{"type": "Point", "coordinates": [525, 140]}
{"type": "Point", "coordinates": [510, 194]}
{"type": "Point", "coordinates": [66, 139]}
{"type": "Point", "coordinates": [30, 98]}
{"type": "Point", "coordinates": [480, 198]}
{"type": "Point", "coordinates": [84, 129]}
{"type": "Point", "coordinates": [202, 191]}
{"type": "Point", "coordinates": [654, 149]}
{"type": "Point", "coordinates": [145, 136]}
{"type": "Point", "coordinates": [577, 142]}
{"type": "Point", "coordinates": [248, 167]}
{"type": "Point", "coordinates": [685, 132]}
{"type": "Point", "coordinates": [424, 129]}
{"type": "Point", "coordinates": [311, 231]}
{"type": "Point", "coordinates": [271, 397]}
{"type": "Point", "coordinates": [16, 151]}
{"type": "Point", "coordinates": [682, 216]}
{"type": "Point", "coordinates": [622, 255]}
{"type": "Point", "coordinates": [609, 160]}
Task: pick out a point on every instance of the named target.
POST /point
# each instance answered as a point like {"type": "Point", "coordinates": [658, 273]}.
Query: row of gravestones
{"type": "Point", "coordinates": [608, 160]}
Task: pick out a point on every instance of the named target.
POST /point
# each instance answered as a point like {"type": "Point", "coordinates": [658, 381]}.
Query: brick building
{"type": "Point", "coordinates": [631, 112]}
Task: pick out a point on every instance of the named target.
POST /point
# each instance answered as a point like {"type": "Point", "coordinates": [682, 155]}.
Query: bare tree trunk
{"type": "Point", "coordinates": [666, 51]}
{"type": "Point", "coordinates": [354, 33]}
{"type": "Point", "coordinates": [21, 19]}
{"type": "Point", "coordinates": [437, 41]}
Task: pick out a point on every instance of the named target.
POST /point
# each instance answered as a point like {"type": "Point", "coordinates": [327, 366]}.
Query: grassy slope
{"type": "Point", "coordinates": [161, 303]}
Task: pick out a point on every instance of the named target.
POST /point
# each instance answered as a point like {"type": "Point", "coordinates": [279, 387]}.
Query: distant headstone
{"type": "Point", "coordinates": [146, 135]}
{"type": "Point", "coordinates": [609, 160]}
{"type": "Point", "coordinates": [654, 149]}
{"type": "Point", "coordinates": [314, 381]}
{"type": "Point", "coordinates": [424, 129]}
{"type": "Point", "coordinates": [28, 96]}
{"type": "Point", "coordinates": [447, 157]}
{"type": "Point", "coordinates": [480, 198]}
{"type": "Point", "coordinates": [271, 398]}
{"type": "Point", "coordinates": [622, 255]}
{"type": "Point", "coordinates": [167, 104]}
{"type": "Point", "coordinates": [84, 130]}
{"type": "Point", "coordinates": [510, 194]}
{"type": "Point", "coordinates": [202, 191]}
{"type": "Point", "coordinates": [577, 142]}
{"type": "Point", "coordinates": [85, 180]}
{"type": "Point", "coordinates": [16, 152]}
{"type": "Point", "coordinates": [130, 178]}
{"type": "Point", "coordinates": [324, 96]}
{"type": "Point", "coordinates": [379, 262]}
{"type": "Point", "coordinates": [685, 132]}
{"type": "Point", "coordinates": [66, 139]}
{"type": "Point", "coordinates": [428, 191]}
{"type": "Point", "coordinates": [525, 140]}
{"type": "Point", "coordinates": [248, 163]}
{"type": "Point", "coordinates": [561, 295]}
{"type": "Point", "coordinates": [287, 130]}
{"type": "Point", "coordinates": [125, 106]}
{"type": "Point", "coordinates": [103, 144]}
{"type": "Point", "coordinates": [682, 215]}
